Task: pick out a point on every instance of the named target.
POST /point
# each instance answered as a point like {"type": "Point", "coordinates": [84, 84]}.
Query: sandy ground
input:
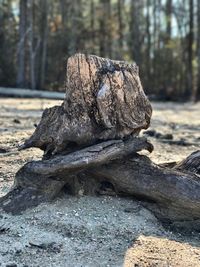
{"type": "Point", "coordinates": [93, 231]}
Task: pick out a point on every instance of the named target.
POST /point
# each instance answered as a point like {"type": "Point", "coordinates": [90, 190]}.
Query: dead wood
{"type": "Point", "coordinates": [39, 181]}
{"type": "Point", "coordinates": [28, 93]}
{"type": "Point", "coordinates": [90, 144]}
{"type": "Point", "coordinates": [104, 100]}
{"type": "Point", "coordinates": [107, 168]}
{"type": "Point", "coordinates": [175, 192]}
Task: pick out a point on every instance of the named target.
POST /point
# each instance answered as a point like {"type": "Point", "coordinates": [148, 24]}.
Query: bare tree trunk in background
{"type": "Point", "coordinates": [154, 44]}
{"type": "Point", "coordinates": [148, 49]}
{"type": "Point", "coordinates": [157, 46]}
{"type": "Point", "coordinates": [169, 18]}
{"type": "Point", "coordinates": [102, 30]}
{"type": "Point", "coordinates": [76, 43]}
{"type": "Point", "coordinates": [181, 16]}
{"type": "Point", "coordinates": [189, 88]}
{"type": "Point", "coordinates": [198, 50]}
{"type": "Point", "coordinates": [64, 9]}
{"type": "Point", "coordinates": [43, 46]}
{"type": "Point", "coordinates": [67, 10]}
{"type": "Point", "coordinates": [105, 31]}
{"type": "Point", "coordinates": [135, 33]}
{"type": "Point", "coordinates": [120, 8]}
{"type": "Point", "coordinates": [73, 28]}
{"type": "Point", "coordinates": [109, 30]}
{"type": "Point", "coordinates": [31, 47]}
{"type": "Point", "coordinates": [168, 82]}
{"type": "Point", "coordinates": [21, 45]}
{"type": "Point", "coordinates": [92, 25]}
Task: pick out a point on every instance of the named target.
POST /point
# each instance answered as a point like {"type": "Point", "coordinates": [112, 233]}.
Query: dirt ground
{"type": "Point", "coordinates": [94, 231]}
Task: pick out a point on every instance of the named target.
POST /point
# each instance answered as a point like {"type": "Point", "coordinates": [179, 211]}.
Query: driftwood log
{"type": "Point", "coordinates": [91, 146]}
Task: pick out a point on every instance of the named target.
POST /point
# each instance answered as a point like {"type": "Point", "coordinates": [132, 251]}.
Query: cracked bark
{"type": "Point", "coordinates": [104, 100]}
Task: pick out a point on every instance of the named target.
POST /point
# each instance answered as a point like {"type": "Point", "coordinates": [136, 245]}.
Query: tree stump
{"type": "Point", "coordinates": [90, 146]}
{"type": "Point", "coordinates": [104, 100]}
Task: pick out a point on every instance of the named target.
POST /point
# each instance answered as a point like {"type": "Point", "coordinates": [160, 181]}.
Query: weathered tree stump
{"type": "Point", "coordinates": [104, 100]}
{"type": "Point", "coordinates": [91, 142]}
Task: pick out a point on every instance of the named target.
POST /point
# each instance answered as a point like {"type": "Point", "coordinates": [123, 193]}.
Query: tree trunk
{"type": "Point", "coordinates": [31, 47]}
{"type": "Point", "coordinates": [197, 97]}
{"type": "Point", "coordinates": [91, 143]}
{"type": "Point", "coordinates": [148, 50]}
{"type": "Point", "coordinates": [104, 100]}
{"type": "Point", "coordinates": [169, 18]}
{"type": "Point", "coordinates": [108, 10]}
{"type": "Point", "coordinates": [43, 44]}
{"type": "Point", "coordinates": [102, 32]}
{"type": "Point", "coordinates": [76, 42]}
{"type": "Point", "coordinates": [120, 8]}
{"type": "Point", "coordinates": [190, 88]}
{"type": "Point", "coordinates": [136, 35]}
{"type": "Point", "coordinates": [168, 83]}
{"type": "Point", "coordinates": [92, 25]}
{"type": "Point", "coordinates": [105, 31]}
{"type": "Point", "coordinates": [21, 45]}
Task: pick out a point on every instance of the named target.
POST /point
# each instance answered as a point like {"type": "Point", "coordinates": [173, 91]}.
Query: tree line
{"type": "Point", "coordinates": [161, 36]}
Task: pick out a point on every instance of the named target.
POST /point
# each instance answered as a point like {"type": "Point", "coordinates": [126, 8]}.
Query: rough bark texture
{"type": "Point", "coordinates": [92, 144]}
{"type": "Point", "coordinates": [104, 100]}
{"type": "Point", "coordinates": [43, 180]}
{"type": "Point", "coordinates": [112, 167]}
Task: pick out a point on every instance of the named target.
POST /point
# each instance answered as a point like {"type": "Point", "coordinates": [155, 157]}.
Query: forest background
{"type": "Point", "coordinates": [161, 36]}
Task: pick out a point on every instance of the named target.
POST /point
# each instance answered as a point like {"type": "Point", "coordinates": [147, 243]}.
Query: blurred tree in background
{"type": "Point", "coordinates": [161, 36]}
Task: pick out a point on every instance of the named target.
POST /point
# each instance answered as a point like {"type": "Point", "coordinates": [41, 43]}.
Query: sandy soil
{"type": "Point", "coordinates": [91, 231]}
